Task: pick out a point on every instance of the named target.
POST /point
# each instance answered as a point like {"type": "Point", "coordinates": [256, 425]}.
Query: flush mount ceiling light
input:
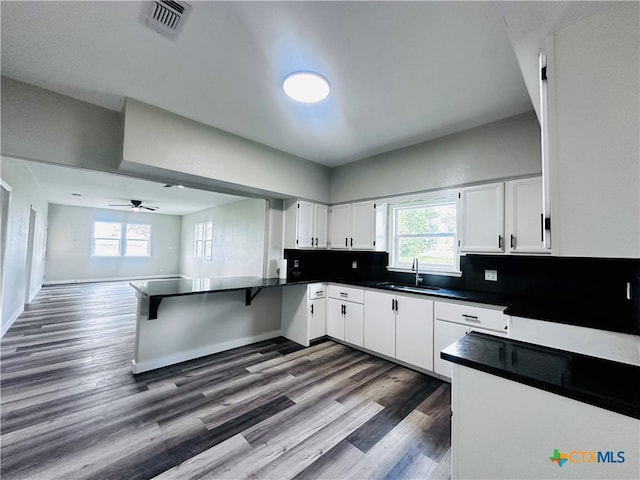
{"type": "Point", "coordinates": [306, 87]}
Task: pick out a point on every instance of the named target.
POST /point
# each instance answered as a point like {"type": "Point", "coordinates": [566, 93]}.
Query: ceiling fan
{"type": "Point", "coordinates": [136, 205]}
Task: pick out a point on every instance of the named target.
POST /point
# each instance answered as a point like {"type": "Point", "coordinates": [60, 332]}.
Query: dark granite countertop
{"type": "Point", "coordinates": [182, 286]}
{"type": "Point", "coordinates": [604, 383]}
{"type": "Point", "coordinates": [618, 318]}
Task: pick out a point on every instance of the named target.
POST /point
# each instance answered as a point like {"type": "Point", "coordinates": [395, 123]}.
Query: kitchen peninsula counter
{"type": "Point", "coordinates": [157, 290]}
{"type": "Point", "coordinates": [183, 319]}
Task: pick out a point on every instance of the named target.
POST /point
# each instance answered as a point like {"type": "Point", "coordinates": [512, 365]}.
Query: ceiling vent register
{"type": "Point", "coordinates": [165, 17]}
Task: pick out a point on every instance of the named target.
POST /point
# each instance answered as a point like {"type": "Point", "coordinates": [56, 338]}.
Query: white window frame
{"type": "Point", "coordinates": [425, 200]}
{"type": "Point", "coordinates": [203, 240]}
{"type": "Point", "coordinates": [122, 240]}
{"type": "Point", "coordinates": [126, 240]}
{"type": "Point", "coordinates": [94, 238]}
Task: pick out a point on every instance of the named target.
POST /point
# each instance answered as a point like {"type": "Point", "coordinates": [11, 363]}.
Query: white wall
{"type": "Point", "coordinates": [25, 194]}
{"type": "Point", "coordinates": [238, 240]}
{"type": "Point", "coordinates": [38, 124]}
{"type": "Point", "coordinates": [69, 256]}
{"type": "Point", "coordinates": [158, 139]}
{"type": "Point", "coordinates": [503, 149]}
{"type": "Point", "coordinates": [594, 125]}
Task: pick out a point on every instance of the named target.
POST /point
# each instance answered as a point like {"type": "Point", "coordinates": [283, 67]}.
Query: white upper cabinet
{"type": "Point", "coordinates": [340, 231]}
{"type": "Point", "coordinates": [482, 218]}
{"type": "Point", "coordinates": [503, 217]}
{"type": "Point", "coordinates": [524, 216]}
{"type": "Point", "coordinates": [353, 226]}
{"type": "Point", "coordinates": [305, 224]}
{"type": "Point", "coordinates": [593, 71]}
{"type": "Point", "coordinates": [363, 225]}
{"type": "Point", "coordinates": [321, 225]}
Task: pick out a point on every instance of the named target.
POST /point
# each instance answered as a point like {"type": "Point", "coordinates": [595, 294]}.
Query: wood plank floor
{"type": "Point", "coordinates": [71, 409]}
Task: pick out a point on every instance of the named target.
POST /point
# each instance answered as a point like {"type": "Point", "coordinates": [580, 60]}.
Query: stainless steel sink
{"type": "Point", "coordinates": [407, 288]}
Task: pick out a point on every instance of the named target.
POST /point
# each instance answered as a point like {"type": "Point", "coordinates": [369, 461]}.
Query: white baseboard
{"type": "Point", "coordinates": [152, 364]}
{"type": "Point", "coordinates": [111, 279]}
{"type": "Point", "coordinates": [13, 318]}
{"type": "Point", "coordinates": [34, 293]}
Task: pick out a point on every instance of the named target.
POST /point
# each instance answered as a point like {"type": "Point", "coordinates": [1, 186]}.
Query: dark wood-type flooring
{"type": "Point", "coordinates": [71, 408]}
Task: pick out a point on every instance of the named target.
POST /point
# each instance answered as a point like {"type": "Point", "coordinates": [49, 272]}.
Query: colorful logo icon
{"type": "Point", "coordinates": [559, 458]}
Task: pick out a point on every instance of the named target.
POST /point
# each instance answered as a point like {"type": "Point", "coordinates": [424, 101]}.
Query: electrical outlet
{"type": "Point", "coordinates": [296, 263]}
{"type": "Point", "coordinates": [491, 275]}
{"type": "Point", "coordinates": [354, 264]}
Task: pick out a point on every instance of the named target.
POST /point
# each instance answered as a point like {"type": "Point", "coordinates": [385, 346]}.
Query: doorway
{"type": "Point", "coordinates": [30, 247]}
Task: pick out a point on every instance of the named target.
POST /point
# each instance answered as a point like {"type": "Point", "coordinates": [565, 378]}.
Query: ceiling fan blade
{"type": "Point", "coordinates": [153, 209]}
{"type": "Point", "coordinates": [123, 205]}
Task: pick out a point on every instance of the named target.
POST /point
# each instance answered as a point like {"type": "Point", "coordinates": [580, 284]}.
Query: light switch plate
{"type": "Point", "coordinates": [354, 264]}
{"type": "Point", "coordinates": [491, 275]}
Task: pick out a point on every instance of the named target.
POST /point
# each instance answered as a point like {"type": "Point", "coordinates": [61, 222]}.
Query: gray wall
{"type": "Point", "coordinates": [158, 139]}
{"type": "Point", "coordinates": [238, 240]}
{"type": "Point", "coordinates": [503, 149]}
{"type": "Point", "coordinates": [38, 124]}
{"type": "Point", "coordinates": [25, 194]}
{"type": "Point", "coordinates": [69, 246]}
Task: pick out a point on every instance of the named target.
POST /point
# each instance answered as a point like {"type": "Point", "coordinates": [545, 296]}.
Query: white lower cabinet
{"type": "Point", "coordinates": [317, 314]}
{"type": "Point", "coordinates": [453, 321]}
{"type": "Point", "coordinates": [444, 334]}
{"type": "Point", "coordinates": [353, 323]}
{"type": "Point", "coordinates": [304, 312]}
{"type": "Point", "coordinates": [345, 314]}
{"type": "Point", "coordinates": [399, 326]}
{"type": "Point", "coordinates": [335, 318]}
{"type": "Point", "coordinates": [380, 323]}
{"type": "Point", "coordinates": [414, 331]}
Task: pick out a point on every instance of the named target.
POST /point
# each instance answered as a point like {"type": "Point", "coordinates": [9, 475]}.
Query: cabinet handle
{"type": "Point", "coordinates": [319, 292]}
{"type": "Point", "coordinates": [344, 309]}
{"type": "Point", "coordinates": [512, 241]}
{"type": "Point", "coordinates": [470, 318]}
{"type": "Point", "coordinates": [396, 305]}
{"type": "Point", "coordinates": [499, 241]}
{"type": "Point", "coordinates": [351, 242]}
{"type": "Point", "coordinates": [312, 241]}
{"type": "Point", "coordinates": [316, 241]}
{"type": "Point", "coordinates": [312, 309]}
{"type": "Point", "coordinates": [344, 294]}
{"type": "Point", "coordinates": [393, 304]}
{"type": "Point", "coordinates": [346, 242]}
{"type": "Point", "coordinates": [542, 227]}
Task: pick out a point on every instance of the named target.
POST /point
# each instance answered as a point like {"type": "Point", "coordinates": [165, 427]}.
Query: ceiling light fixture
{"type": "Point", "coordinates": [306, 87]}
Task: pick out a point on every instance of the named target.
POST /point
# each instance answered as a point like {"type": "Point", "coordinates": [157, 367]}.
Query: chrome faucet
{"type": "Point", "coordinates": [417, 270]}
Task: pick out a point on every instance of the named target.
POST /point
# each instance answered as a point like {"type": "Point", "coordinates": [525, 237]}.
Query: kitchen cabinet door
{"type": "Point", "coordinates": [305, 225]}
{"type": "Point", "coordinates": [444, 334]}
{"type": "Point", "coordinates": [414, 331]}
{"type": "Point", "coordinates": [482, 218]}
{"type": "Point", "coordinates": [317, 318]}
{"type": "Point", "coordinates": [340, 235]}
{"type": "Point", "coordinates": [380, 323]}
{"type": "Point", "coordinates": [321, 222]}
{"type": "Point", "coordinates": [523, 216]}
{"type": "Point", "coordinates": [363, 223]}
{"type": "Point", "coordinates": [335, 319]}
{"type": "Point", "coordinates": [353, 323]}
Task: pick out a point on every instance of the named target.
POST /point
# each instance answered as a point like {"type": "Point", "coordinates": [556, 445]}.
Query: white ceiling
{"type": "Point", "coordinates": [401, 72]}
{"type": "Point", "coordinates": [99, 190]}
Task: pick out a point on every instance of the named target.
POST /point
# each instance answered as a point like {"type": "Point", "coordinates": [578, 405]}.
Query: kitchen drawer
{"type": "Point", "coordinates": [472, 316]}
{"type": "Point", "coordinates": [316, 290]}
{"type": "Point", "coordinates": [346, 293]}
